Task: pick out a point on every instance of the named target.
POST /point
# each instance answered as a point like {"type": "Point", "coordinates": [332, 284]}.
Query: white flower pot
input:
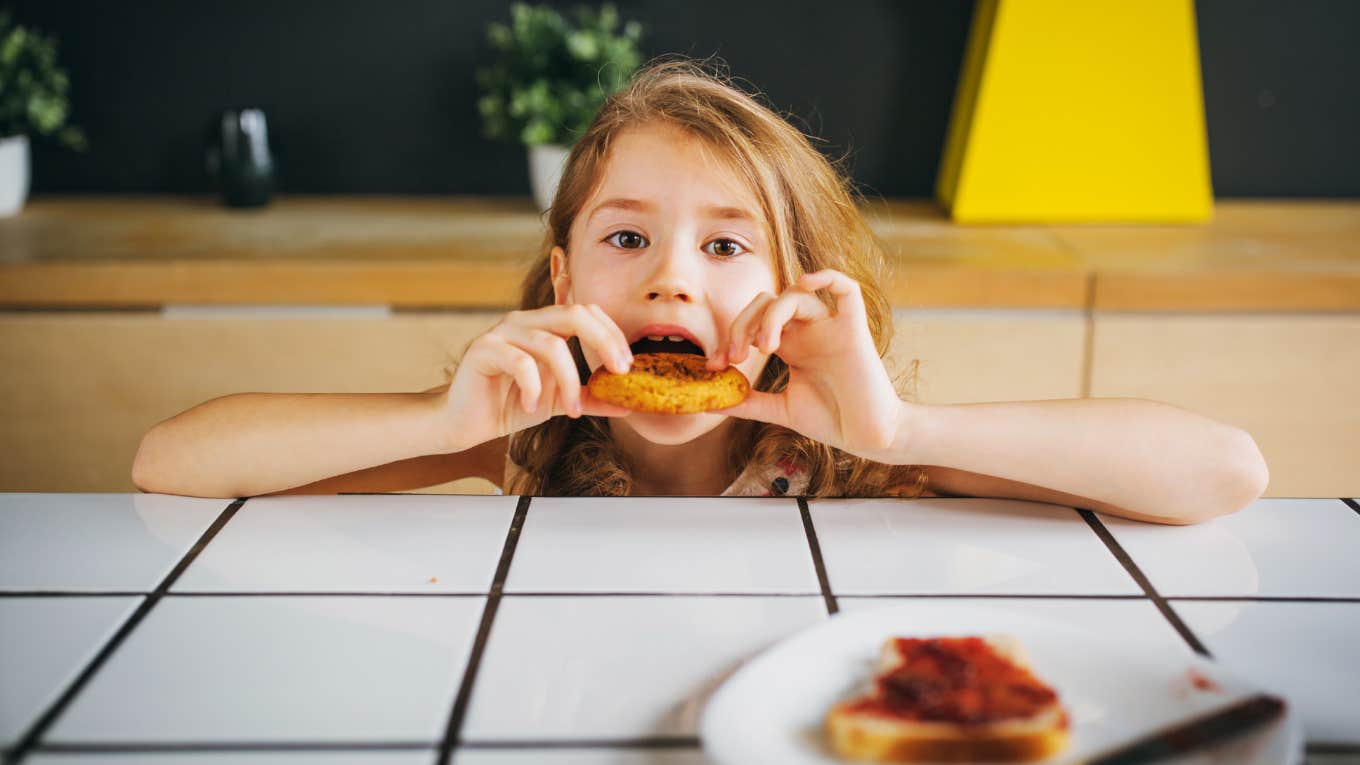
{"type": "Point", "coordinates": [13, 174]}
{"type": "Point", "coordinates": [545, 171]}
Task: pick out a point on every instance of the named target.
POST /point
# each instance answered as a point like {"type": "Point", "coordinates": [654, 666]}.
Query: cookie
{"type": "Point", "coordinates": [670, 383]}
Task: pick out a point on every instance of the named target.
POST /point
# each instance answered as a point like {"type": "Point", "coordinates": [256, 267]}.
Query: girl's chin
{"type": "Point", "coordinates": [672, 429]}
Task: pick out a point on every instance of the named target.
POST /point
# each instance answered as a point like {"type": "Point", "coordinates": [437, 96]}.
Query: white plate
{"type": "Point", "coordinates": [772, 709]}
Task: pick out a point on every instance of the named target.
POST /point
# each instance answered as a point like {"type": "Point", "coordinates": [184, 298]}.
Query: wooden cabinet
{"type": "Point", "coordinates": [82, 388]}
{"type": "Point", "coordinates": [1293, 382]}
{"type": "Point", "coordinates": [967, 356]}
{"type": "Point", "coordinates": [85, 386]}
{"type": "Point", "coordinates": [986, 313]}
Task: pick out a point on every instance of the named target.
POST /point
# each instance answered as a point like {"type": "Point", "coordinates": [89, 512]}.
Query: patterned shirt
{"type": "Point", "coordinates": [777, 480]}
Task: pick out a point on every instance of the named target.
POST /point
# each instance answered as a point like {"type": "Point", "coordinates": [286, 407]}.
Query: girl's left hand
{"type": "Point", "coordinates": [839, 392]}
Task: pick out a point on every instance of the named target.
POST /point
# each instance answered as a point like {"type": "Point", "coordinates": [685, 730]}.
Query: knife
{"type": "Point", "coordinates": [1197, 732]}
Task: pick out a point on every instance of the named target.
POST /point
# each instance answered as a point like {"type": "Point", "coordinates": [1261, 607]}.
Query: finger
{"type": "Point", "coordinates": [612, 328]}
{"type": "Point", "coordinates": [795, 304]}
{"type": "Point", "coordinates": [762, 407]}
{"type": "Point", "coordinates": [494, 356]}
{"type": "Point", "coordinates": [739, 337]}
{"type": "Point", "coordinates": [577, 320]}
{"type": "Point", "coordinates": [552, 352]}
{"type": "Point", "coordinates": [847, 291]}
{"type": "Point", "coordinates": [597, 408]}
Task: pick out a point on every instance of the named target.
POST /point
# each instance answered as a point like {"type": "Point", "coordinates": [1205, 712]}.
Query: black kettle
{"type": "Point", "coordinates": [238, 157]}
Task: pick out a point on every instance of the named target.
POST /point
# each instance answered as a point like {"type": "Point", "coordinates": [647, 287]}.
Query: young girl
{"type": "Point", "coordinates": [689, 210]}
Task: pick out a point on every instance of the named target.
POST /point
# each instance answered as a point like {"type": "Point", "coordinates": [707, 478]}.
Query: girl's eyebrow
{"type": "Point", "coordinates": [638, 205]}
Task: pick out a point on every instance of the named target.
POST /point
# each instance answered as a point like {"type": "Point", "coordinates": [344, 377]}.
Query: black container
{"type": "Point", "coordinates": [238, 157]}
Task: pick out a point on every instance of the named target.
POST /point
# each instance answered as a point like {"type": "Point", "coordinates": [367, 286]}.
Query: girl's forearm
{"type": "Point", "coordinates": [249, 444]}
{"type": "Point", "coordinates": [1147, 457]}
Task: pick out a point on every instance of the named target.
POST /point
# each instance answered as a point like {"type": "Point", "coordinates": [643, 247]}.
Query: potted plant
{"type": "Point", "coordinates": [32, 101]}
{"type": "Point", "coordinates": [549, 78]}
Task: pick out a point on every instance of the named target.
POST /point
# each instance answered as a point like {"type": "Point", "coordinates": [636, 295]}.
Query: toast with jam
{"type": "Point", "coordinates": [950, 699]}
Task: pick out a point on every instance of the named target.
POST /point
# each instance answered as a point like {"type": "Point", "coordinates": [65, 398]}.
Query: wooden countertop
{"type": "Point", "coordinates": [471, 252]}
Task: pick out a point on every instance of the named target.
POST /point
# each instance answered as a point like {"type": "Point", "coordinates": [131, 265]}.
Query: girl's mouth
{"type": "Point", "coordinates": [665, 345]}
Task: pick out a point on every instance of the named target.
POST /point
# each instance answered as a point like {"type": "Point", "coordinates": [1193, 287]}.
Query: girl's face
{"type": "Point", "coordinates": [670, 237]}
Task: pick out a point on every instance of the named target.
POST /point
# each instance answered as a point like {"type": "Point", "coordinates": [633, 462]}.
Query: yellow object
{"type": "Point", "coordinates": [1078, 111]}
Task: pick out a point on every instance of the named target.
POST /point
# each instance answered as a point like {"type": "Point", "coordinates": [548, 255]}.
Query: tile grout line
{"type": "Point", "coordinates": [659, 742]}
{"type": "Point", "coordinates": [453, 730]}
{"type": "Point", "coordinates": [114, 747]}
{"type": "Point", "coordinates": [817, 561]}
{"type": "Point", "coordinates": [1261, 599]}
{"type": "Point", "coordinates": [1332, 747]}
{"type": "Point", "coordinates": [528, 744]}
{"type": "Point", "coordinates": [667, 594]}
{"type": "Point", "coordinates": [326, 594]}
{"type": "Point", "coordinates": [677, 594]}
{"type": "Point", "coordinates": [30, 738]}
{"type": "Point", "coordinates": [1122, 556]}
{"type": "Point", "coordinates": [1352, 503]}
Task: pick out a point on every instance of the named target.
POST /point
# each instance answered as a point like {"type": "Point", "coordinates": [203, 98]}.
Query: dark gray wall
{"type": "Point", "coordinates": [369, 96]}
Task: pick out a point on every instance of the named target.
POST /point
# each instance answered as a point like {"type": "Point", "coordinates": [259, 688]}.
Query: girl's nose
{"type": "Point", "coordinates": [673, 276]}
{"type": "Point", "coordinates": [675, 293]}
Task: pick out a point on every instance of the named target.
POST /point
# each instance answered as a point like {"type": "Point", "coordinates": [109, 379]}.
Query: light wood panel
{"type": "Point", "coordinates": [973, 356]}
{"type": "Point", "coordinates": [80, 389]}
{"type": "Point", "coordinates": [1293, 382]}
{"type": "Point", "coordinates": [83, 387]}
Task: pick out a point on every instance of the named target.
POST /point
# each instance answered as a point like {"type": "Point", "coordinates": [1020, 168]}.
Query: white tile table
{"type": "Point", "coordinates": [504, 631]}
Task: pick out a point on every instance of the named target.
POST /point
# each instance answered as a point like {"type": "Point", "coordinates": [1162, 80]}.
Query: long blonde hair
{"type": "Point", "coordinates": [814, 222]}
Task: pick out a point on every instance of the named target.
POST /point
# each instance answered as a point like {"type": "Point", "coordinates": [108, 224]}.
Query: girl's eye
{"type": "Point", "coordinates": [632, 235]}
{"type": "Point", "coordinates": [730, 253]}
{"type": "Point", "coordinates": [731, 249]}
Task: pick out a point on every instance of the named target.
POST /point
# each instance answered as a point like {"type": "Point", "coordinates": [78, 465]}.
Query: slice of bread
{"type": "Point", "coordinates": [951, 699]}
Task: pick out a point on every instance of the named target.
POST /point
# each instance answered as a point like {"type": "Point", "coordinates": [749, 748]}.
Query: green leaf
{"type": "Point", "coordinates": [549, 75]}
{"type": "Point", "coordinates": [33, 86]}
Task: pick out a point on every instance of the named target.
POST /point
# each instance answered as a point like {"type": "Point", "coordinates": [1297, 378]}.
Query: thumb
{"type": "Point", "coordinates": [762, 407]}
{"type": "Point", "coordinates": [596, 408]}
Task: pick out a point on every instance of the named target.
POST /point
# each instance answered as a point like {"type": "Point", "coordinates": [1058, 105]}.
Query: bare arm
{"type": "Point", "coordinates": [1139, 459]}
{"type": "Point", "coordinates": [249, 444]}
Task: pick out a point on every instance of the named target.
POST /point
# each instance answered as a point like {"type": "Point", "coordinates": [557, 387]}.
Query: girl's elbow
{"type": "Point", "coordinates": [1253, 476]}
{"type": "Point", "coordinates": [145, 477]}
{"type": "Point", "coordinates": [1246, 476]}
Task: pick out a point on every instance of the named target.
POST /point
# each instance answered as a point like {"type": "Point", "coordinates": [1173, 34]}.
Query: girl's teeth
{"type": "Point", "coordinates": [674, 338]}
{"type": "Point", "coordinates": [657, 338]}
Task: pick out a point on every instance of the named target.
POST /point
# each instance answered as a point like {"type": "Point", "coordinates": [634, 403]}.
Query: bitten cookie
{"type": "Point", "coordinates": [670, 383]}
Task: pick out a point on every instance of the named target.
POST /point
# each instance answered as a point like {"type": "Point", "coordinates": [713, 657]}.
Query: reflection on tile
{"type": "Point", "coordinates": [962, 546]}
{"type": "Point", "coordinates": [1332, 758]}
{"type": "Point", "coordinates": [285, 668]}
{"type": "Point", "coordinates": [1275, 547]}
{"type": "Point", "coordinates": [560, 667]}
{"type": "Point", "coordinates": [581, 757]}
{"type": "Point", "coordinates": [663, 544]}
{"type": "Point", "coordinates": [1123, 621]}
{"type": "Point", "coordinates": [395, 757]}
{"type": "Point", "coordinates": [44, 644]}
{"type": "Point", "coordinates": [97, 542]}
{"type": "Point", "coordinates": [1310, 652]}
{"type": "Point", "coordinates": [397, 543]}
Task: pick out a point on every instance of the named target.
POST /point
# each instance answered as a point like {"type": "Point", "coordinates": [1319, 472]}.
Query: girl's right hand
{"type": "Point", "coordinates": [521, 372]}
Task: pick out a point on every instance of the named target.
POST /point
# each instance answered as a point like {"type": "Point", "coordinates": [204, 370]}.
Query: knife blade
{"type": "Point", "coordinates": [1196, 733]}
